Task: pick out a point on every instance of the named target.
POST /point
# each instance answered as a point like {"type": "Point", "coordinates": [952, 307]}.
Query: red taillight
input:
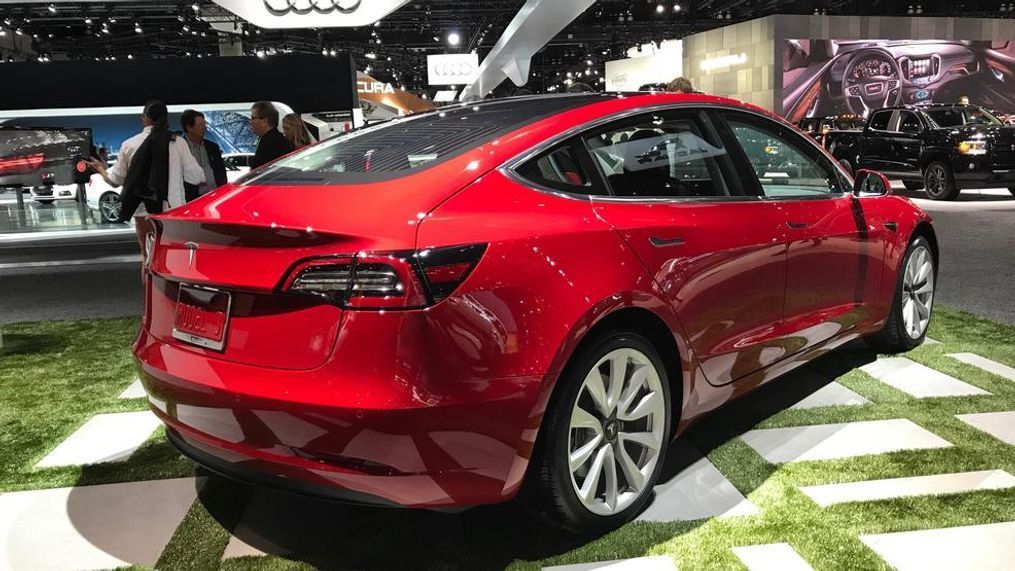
{"type": "Point", "coordinates": [22, 164]}
{"type": "Point", "coordinates": [390, 280]}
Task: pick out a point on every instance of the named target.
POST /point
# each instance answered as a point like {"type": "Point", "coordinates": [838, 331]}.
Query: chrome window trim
{"type": "Point", "coordinates": [509, 166]}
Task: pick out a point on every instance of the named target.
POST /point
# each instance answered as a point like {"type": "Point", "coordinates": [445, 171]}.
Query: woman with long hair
{"type": "Point", "coordinates": [294, 130]}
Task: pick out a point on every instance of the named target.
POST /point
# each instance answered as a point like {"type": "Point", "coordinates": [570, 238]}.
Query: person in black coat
{"type": "Point", "coordinates": [206, 153]}
{"type": "Point", "coordinates": [272, 143]}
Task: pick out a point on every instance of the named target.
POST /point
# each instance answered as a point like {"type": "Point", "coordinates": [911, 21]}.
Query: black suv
{"type": "Point", "coordinates": [944, 147]}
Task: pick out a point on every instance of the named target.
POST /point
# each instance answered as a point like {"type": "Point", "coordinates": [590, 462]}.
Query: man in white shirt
{"type": "Point", "coordinates": [182, 166]}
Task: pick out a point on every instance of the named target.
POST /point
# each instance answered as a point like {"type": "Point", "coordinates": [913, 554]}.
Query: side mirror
{"type": "Point", "coordinates": [871, 183]}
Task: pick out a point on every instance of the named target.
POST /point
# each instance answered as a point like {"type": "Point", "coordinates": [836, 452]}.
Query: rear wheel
{"type": "Point", "coordinates": [912, 185]}
{"type": "Point", "coordinates": [109, 207]}
{"type": "Point", "coordinates": [44, 200]}
{"type": "Point", "coordinates": [913, 302]}
{"type": "Point", "coordinates": [603, 438]}
{"type": "Point", "coordinates": [940, 182]}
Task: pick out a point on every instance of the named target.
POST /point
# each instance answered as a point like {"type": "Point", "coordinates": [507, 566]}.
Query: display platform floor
{"type": "Point", "coordinates": [855, 461]}
{"type": "Point", "coordinates": [66, 217]}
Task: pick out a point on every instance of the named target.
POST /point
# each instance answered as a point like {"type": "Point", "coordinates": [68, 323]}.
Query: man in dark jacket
{"type": "Point", "coordinates": [272, 143]}
{"type": "Point", "coordinates": [206, 153]}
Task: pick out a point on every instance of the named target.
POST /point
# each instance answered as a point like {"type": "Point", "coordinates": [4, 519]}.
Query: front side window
{"type": "Point", "coordinates": [959, 116]}
{"type": "Point", "coordinates": [659, 157]}
{"type": "Point", "coordinates": [785, 164]}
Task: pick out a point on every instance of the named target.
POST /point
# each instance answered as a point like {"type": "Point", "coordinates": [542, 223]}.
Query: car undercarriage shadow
{"type": "Point", "coordinates": [330, 535]}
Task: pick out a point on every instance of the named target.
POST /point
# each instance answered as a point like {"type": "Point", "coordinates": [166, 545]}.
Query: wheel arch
{"type": "Point", "coordinates": [926, 230]}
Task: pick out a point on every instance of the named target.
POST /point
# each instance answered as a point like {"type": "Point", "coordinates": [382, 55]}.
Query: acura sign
{"type": "Point", "coordinates": [311, 13]}
{"type": "Point", "coordinates": [452, 69]}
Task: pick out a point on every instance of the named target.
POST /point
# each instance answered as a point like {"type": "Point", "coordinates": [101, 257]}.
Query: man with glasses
{"type": "Point", "coordinates": [272, 144]}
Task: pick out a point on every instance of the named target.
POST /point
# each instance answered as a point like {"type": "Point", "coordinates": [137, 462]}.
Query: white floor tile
{"type": "Point", "coordinates": [918, 380]}
{"type": "Point", "coordinates": [92, 527]}
{"type": "Point", "coordinates": [239, 548]}
{"type": "Point", "coordinates": [1000, 425]}
{"type": "Point", "coordinates": [829, 441]}
{"type": "Point", "coordinates": [699, 492]}
{"type": "Point", "coordinates": [981, 547]}
{"type": "Point", "coordinates": [832, 394]}
{"type": "Point", "coordinates": [134, 391]}
{"type": "Point", "coordinates": [986, 364]}
{"type": "Point", "coordinates": [930, 341]}
{"type": "Point", "coordinates": [104, 438]}
{"type": "Point", "coordinates": [829, 494]}
{"type": "Point", "coordinates": [771, 557]}
{"type": "Point", "coordinates": [654, 563]}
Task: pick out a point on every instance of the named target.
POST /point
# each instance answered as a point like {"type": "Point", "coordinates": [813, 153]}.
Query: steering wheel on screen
{"type": "Point", "coordinates": [872, 80]}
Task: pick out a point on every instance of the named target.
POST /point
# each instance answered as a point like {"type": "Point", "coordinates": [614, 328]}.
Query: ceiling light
{"type": "Point", "coordinates": [52, 9]}
{"type": "Point", "coordinates": [371, 56]}
{"type": "Point", "coordinates": [324, 52]}
{"type": "Point", "coordinates": [333, 52]}
{"type": "Point", "coordinates": [260, 53]}
{"type": "Point", "coordinates": [3, 32]}
{"type": "Point", "coordinates": [676, 7]}
{"type": "Point", "coordinates": [454, 38]}
{"type": "Point", "coordinates": [195, 7]}
{"type": "Point", "coordinates": [137, 28]}
{"type": "Point", "coordinates": [660, 8]}
{"type": "Point", "coordinates": [88, 20]}
{"type": "Point", "coordinates": [130, 56]}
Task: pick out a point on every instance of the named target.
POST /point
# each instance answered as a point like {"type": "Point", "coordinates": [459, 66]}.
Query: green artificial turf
{"type": "Point", "coordinates": [54, 376]}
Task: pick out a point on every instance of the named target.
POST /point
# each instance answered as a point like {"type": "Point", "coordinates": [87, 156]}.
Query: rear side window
{"type": "Point", "coordinates": [659, 156]}
{"type": "Point", "coordinates": [558, 169]}
{"type": "Point", "coordinates": [879, 121]}
{"type": "Point", "coordinates": [402, 145]}
{"type": "Point", "coordinates": [909, 122]}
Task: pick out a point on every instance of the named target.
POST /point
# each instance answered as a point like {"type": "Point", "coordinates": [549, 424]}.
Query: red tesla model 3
{"type": "Point", "coordinates": [527, 295]}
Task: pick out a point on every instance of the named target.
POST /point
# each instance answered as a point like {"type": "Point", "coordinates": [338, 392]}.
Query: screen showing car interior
{"type": "Point", "coordinates": [822, 78]}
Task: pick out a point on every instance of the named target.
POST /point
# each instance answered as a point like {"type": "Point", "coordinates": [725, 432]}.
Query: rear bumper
{"type": "Point", "coordinates": [327, 434]}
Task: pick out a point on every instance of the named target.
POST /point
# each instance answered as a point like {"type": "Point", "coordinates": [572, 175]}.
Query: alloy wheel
{"type": "Point", "coordinates": [936, 180]}
{"type": "Point", "coordinates": [918, 292]}
{"type": "Point", "coordinates": [617, 431]}
{"type": "Point", "coordinates": [109, 207]}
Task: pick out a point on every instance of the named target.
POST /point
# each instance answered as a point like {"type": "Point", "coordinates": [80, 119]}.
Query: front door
{"type": "Point", "coordinates": [831, 256]}
{"type": "Point", "coordinates": [907, 142]}
{"type": "Point", "coordinates": [712, 247]}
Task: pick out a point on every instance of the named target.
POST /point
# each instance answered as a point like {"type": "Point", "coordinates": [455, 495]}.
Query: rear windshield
{"type": "Point", "coordinates": [409, 144]}
{"type": "Point", "coordinates": [959, 116]}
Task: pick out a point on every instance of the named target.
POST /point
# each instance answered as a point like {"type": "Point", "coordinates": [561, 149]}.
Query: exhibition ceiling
{"type": "Point", "coordinates": [395, 48]}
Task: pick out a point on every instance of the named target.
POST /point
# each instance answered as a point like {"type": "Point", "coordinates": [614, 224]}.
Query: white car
{"type": "Point", "coordinates": [237, 164]}
{"type": "Point", "coordinates": [103, 198]}
{"type": "Point", "coordinates": [49, 194]}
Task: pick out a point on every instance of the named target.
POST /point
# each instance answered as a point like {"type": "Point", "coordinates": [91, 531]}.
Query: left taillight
{"type": "Point", "coordinates": [386, 280]}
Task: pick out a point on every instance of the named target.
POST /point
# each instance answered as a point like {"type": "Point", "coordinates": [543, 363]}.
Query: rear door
{"type": "Point", "coordinates": [831, 252]}
{"type": "Point", "coordinates": [713, 248]}
{"type": "Point", "coordinates": [875, 148]}
{"type": "Point", "coordinates": [907, 141]}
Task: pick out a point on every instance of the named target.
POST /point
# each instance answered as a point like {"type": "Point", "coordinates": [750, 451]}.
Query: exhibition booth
{"type": "Point", "coordinates": [815, 66]}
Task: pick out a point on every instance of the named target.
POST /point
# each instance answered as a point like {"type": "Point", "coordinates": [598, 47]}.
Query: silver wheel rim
{"type": "Point", "coordinates": [109, 206]}
{"type": "Point", "coordinates": [917, 292]}
{"type": "Point", "coordinates": [616, 431]}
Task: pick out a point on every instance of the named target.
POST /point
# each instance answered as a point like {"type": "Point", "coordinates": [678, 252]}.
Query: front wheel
{"type": "Point", "coordinates": [46, 201]}
{"type": "Point", "coordinates": [913, 302]}
{"type": "Point", "coordinates": [603, 438]}
{"type": "Point", "coordinates": [940, 182]}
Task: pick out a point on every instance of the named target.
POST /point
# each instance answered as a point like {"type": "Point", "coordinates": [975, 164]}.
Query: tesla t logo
{"type": "Point", "coordinates": [191, 253]}
{"type": "Point", "coordinates": [304, 7]}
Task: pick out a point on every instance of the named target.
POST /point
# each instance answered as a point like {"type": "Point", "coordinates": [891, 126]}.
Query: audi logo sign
{"type": "Point", "coordinates": [452, 69]}
{"type": "Point", "coordinates": [311, 13]}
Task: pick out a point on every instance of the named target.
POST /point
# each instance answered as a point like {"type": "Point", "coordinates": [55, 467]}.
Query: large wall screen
{"type": "Point", "coordinates": [833, 77]}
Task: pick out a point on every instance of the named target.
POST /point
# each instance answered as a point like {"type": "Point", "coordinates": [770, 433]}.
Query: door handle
{"type": "Point", "coordinates": [797, 225]}
{"type": "Point", "coordinates": [663, 242]}
{"type": "Point", "coordinates": [893, 226]}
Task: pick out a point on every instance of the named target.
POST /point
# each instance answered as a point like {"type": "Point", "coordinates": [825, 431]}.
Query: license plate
{"type": "Point", "coordinates": [202, 316]}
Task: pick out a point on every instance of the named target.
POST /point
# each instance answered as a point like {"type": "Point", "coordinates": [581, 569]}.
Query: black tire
{"type": "Point", "coordinates": [893, 337]}
{"type": "Point", "coordinates": [912, 185]}
{"type": "Point", "coordinates": [940, 182]}
{"type": "Point", "coordinates": [108, 215]}
{"type": "Point", "coordinates": [549, 492]}
{"type": "Point", "coordinates": [44, 201]}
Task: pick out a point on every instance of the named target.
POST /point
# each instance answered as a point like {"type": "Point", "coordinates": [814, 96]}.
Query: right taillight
{"type": "Point", "coordinates": [386, 280]}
